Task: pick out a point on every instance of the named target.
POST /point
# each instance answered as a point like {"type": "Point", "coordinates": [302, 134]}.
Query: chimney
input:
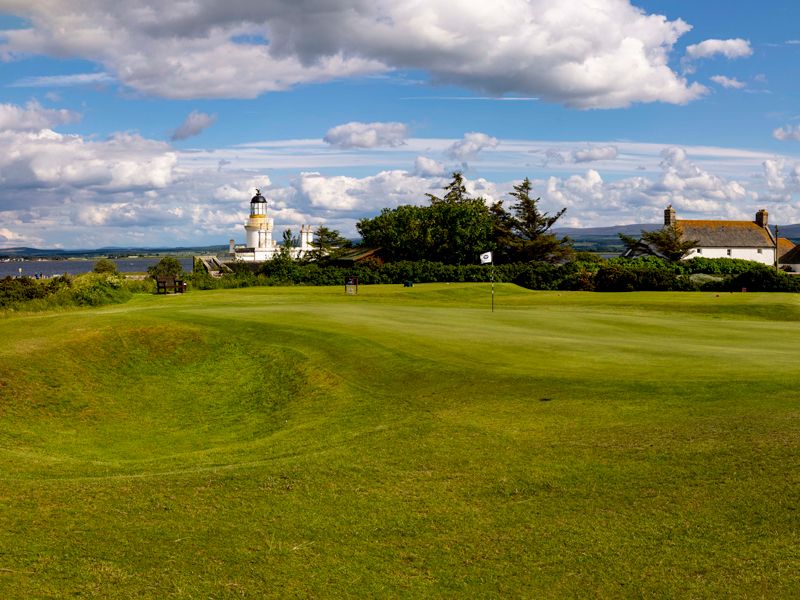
{"type": "Point", "coordinates": [669, 216]}
{"type": "Point", "coordinates": [230, 247]}
{"type": "Point", "coordinates": [761, 218]}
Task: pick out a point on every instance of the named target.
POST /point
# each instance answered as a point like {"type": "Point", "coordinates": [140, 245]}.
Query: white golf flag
{"type": "Point", "coordinates": [486, 257]}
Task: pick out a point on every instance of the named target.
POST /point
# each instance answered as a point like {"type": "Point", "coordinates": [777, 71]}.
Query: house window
{"type": "Point", "coordinates": [729, 251]}
{"type": "Point", "coordinates": [760, 251]}
{"type": "Point", "coordinates": [699, 250]}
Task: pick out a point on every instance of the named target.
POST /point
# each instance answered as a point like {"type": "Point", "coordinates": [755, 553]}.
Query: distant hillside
{"type": "Point", "coordinates": [606, 239]}
{"type": "Point", "coordinates": [634, 229]}
{"type": "Point", "coordinates": [115, 252]}
{"type": "Point", "coordinates": [590, 239]}
{"type": "Point", "coordinates": [791, 232]}
{"type": "Point", "coordinates": [602, 239]}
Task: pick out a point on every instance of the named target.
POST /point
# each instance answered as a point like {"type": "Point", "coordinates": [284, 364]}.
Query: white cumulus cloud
{"type": "Point", "coordinates": [581, 53]}
{"type": "Point", "coordinates": [469, 146]}
{"type": "Point", "coordinates": [342, 193]}
{"type": "Point", "coordinates": [33, 117]}
{"type": "Point", "coordinates": [428, 167]}
{"type": "Point", "coordinates": [367, 135]}
{"type": "Point", "coordinates": [594, 153]}
{"type": "Point", "coordinates": [732, 48]}
{"type": "Point", "coordinates": [35, 157]}
{"type": "Point", "coordinates": [243, 190]}
{"type": "Point", "coordinates": [7, 236]}
{"type": "Point", "coordinates": [782, 178]}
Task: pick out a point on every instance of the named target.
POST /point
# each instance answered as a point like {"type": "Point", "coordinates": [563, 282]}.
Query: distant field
{"type": "Point", "coordinates": [407, 442]}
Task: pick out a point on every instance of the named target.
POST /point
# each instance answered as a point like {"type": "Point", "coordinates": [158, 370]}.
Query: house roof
{"type": "Point", "coordinates": [784, 245]}
{"type": "Point", "coordinates": [792, 257]}
{"type": "Point", "coordinates": [359, 254]}
{"type": "Point", "coordinates": [725, 234]}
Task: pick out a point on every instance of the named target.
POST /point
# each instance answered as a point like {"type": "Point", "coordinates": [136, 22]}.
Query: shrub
{"type": "Point", "coordinates": [718, 266]}
{"type": "Point", "coordinates": [763, 278]}
{"type": "Point", "coordinates": [166, 267]}
{"type": "Point", "coordinates": [540, 276]}
{"type": "Point", "coordinates": [105, 265]}
{"type": "Point", "coordinates": [201, 279]}
{"type": "Point", "coordinates": [89, 289]}
{"type": "Point", "coordinates": [641, 274]}
{"type": "Point", "coordinates": [14, 290]}
{"type": "Point", "coordinates": [96, 289]}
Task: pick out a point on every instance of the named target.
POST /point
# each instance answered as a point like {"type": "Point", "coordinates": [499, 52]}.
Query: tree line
{"type": "Point", "coordinates": [456, 228]}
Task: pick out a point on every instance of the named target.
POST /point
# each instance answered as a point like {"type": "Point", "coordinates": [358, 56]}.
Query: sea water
{"type": "Point", "coordinates": [51, 268]}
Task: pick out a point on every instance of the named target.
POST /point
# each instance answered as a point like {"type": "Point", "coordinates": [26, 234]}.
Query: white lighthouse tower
{"type": "Point", "coordinates": [258, 229]}
{"type": "Point", "coordinates": [259, 245]}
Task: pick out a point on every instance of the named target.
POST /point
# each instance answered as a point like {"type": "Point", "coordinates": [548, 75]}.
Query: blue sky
{"type": "Point", "coordinates": [150, 123]}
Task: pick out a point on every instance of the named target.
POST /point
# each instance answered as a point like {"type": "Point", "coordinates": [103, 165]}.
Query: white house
{"type": "Point", "coordinates": [747, 240]}
{"type": "Point", "coordinates": [259, 245]}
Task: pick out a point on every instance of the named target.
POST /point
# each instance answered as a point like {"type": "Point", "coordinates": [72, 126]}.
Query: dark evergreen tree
{"type": "Point", "coordinates": [327, 243]}
{"type": "Point", "coordinates": [504, 242]}
{"type": "Point", "coordinates": [530, 229]}
{"type": "Point", "coordinates": [455, 192]}
{"type": "Point", "coordinates": [666, 242]}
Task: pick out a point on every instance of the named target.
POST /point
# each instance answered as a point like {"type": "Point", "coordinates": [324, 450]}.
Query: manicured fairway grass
{"type": "Point", "coordinates": [295, 442]}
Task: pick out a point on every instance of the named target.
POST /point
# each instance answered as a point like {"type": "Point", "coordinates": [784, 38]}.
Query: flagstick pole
{"type": "Point", "coordinates": [492, 284]}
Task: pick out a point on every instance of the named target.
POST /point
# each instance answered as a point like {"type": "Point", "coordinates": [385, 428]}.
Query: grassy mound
{"type": "Point", "coordinates": [404, 442]}
{"type": "Point", "coordinates": [124, 399]}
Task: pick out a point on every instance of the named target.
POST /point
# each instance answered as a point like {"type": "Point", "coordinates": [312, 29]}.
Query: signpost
{"type": "Point", "coordinates": [351, 285]}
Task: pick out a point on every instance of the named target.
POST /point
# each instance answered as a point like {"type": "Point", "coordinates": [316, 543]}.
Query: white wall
{"type": "Point", "coordinates": [793, 268]}
{"type": "Point", "coordinates": [767, 255]}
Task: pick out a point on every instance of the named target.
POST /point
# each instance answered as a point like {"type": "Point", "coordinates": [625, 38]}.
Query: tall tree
{"type": "Point", "coordinates": [455, 191]}
{"type": "Point", "coordinates": [403, 232]}
{"type": "Point", "coordinates": [288, 244]}
{"type": "Point", "coordinates": [504, 241]}
{"type": "Point", "coordinates": [327, 243]}
{"type": "Point", "coordinates": [454, 229]}
{"type": "Point", "coordinates": [531, 228]}
{"type": "Point", "coordinates": [460, 231]}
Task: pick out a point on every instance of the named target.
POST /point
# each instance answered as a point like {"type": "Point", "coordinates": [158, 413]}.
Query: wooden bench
{"type": "Point", "coordinates": [166, 283]}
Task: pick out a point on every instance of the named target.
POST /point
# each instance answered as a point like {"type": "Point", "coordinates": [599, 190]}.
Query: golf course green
{"type": "Point", "coordinates": [404, 442]}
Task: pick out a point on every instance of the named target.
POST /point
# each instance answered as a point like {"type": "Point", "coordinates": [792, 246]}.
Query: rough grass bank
{"type": "Point", "coordinates": [295, 442]}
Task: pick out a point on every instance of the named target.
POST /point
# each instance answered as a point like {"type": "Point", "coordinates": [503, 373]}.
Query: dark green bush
{"type": "Point", "coordinates": [763, 278]}
{"type": "Point", "coordinates": [641, 274]}
{"type": "Point", "coordinates": [717, 266]}
{"type": "Point", "coordinates": [13, 290]}
{"type": "Point", "coordinates": [540, 276]}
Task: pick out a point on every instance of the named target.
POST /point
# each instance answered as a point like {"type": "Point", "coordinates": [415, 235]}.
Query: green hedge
{"type": "Point", "coordinates": [286, 272]}
{"type": "Point", "coordinates": [646, 273]}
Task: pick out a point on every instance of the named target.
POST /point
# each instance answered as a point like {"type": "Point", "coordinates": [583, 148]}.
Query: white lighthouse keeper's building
{"type": "Point", "coordinates": [259, 245]}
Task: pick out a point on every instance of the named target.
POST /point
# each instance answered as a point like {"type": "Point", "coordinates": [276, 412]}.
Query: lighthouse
{"type": "Point", "coordinates": [258, 229]}
{"type": "Point", "coordinates": [259, 245]}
